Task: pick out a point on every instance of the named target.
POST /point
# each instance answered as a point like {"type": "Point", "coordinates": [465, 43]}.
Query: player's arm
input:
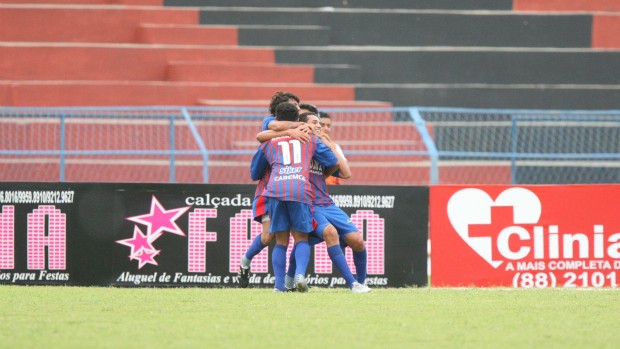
{"type": "Point", "coordinates": [329, 160]}
{"type": "Point", "coordinates": [295, 133]}
{"type": "Point", "coordinates": [259, 165]}
{"type": "Point", "coordinates": [343, 170]}
{"type": "Point", "coordinates": [277, 125]}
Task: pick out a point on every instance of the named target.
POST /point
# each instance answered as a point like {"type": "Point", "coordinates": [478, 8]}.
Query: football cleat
{"type": "Point", "coordinates": [244, 277]}
{"type": "Point", "coordinates": [300, 283]}
{"type": "Point", "coordinates": [360, 288]}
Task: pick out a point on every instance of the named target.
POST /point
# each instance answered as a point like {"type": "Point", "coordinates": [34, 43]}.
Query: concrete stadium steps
{"type": "Point", "coordinates": [352, 136]}
{"type": "Point", "coordinates": [87, 2]}
{"type": "Point", "coordinates": [288, 34]}
{"type": "Point", "coordinates": [383, 4]}
{"type": "Point", "coordinates": [186, 34]}
{"type": "Point", "coordinates": [378, 169]}
{"type": "Point", "coordinates": [247, 72]}
{"type": "Point", "coordinates": [421, 28]}
{"type": "Point", "coordinates": [606, 31]}
{"type": "Point", "coordinates": [539, 78]}
{"type": "Point", "coordinates": [605, 23]}
{"type": "Point", "coordinates": [105, 170]}
{"type": "Point", "coordinates": [125, 93]}
{"type": "Point", "coordinates": [259, 35]}
{"type": "Point", "coordinates": [567, 5]}
{"type": "Point", "coordinates": [56, 23]}
{"type": "Point", "coordinates": [60, 61]}
{"type": "Point", "coordinates": [457, 65]}
{"type": "Point", "coordinates": [587, 97]}
{"type": "Point", "coordinates": [188, 171]}
{"type": "Point", "coordinates": [262, 72]}
{"type": "Point", "coordinates": [470, 173]}
{"type": "Point", "coordinates": [338, 110]}
{"type": "Point", "coordinates": [321, 104]}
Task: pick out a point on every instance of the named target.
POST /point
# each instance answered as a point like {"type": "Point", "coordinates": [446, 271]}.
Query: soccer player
{"type": "Point", "coordinates": [289, 193]}
{"type": "Point", "coordinates": [325, 211]}
{"type": "Point", "coordinates": [354, 241]}
{"type": "Point", "coordinates": [294, 129]}
{"type": "Point", "coordinates": [326, 127]}
{"type": "Point", "coordinates": [308, 108]}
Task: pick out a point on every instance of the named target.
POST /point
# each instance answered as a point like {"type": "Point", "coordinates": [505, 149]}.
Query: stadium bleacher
{"type": "Point", "coordinates": [335, 54]}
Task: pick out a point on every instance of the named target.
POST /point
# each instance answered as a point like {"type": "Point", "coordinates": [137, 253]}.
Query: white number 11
{"type": "Point", "coordinates": [286, 151]}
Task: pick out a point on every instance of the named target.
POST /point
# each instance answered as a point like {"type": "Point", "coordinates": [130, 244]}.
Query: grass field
{"type": "Point", "coordinates": [91, 317]}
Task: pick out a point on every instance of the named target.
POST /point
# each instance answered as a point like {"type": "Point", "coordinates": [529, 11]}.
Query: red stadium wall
{"type": "Point", "coordinates": [97, 53]}
{"type": "Point", "coordinates": [567, 5]}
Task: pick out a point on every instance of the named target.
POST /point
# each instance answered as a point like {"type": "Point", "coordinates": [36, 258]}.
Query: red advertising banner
{"type": "Point", "coordinates": [526, 236]}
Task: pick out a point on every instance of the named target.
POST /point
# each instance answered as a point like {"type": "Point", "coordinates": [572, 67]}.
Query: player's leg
{"type": "Point", "coordinates": [258, 244]}
{"type": "Point", "coordinates": [352, 237]}
{"type": "Point", "coordinates": [278, 259]}
{"type": "Point", "coordinates": [302, 258]}
{"type": "Point", "coordinates": [280, 226]}
{"type": "Point", "coordinates": [356, 242]}
{"type": "Point", "coordinates": [313, 239]}
{"type": "Point", "coordinates": [289, 279]}
{"type": "Point", "coordinates": [328, 233]}
{"type": "Point", "coordinates": [301, 219]}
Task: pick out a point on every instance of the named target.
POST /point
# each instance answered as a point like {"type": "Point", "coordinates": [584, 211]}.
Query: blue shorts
{"type": "Point", "coordinates": [325, 215]}
{"type": "Point", "coordinates": [259, 208]}
{"type": "Point", "coordinates": [287, 215]}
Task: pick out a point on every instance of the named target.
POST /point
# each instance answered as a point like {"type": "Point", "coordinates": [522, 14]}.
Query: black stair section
{"type": "Point", "coordinates": [459, 57]}
{"type": "Point", "coordinates": [337, 74]}
{"type": "Point", "coordinates": [283, 35]}
{"type": "Point", "coordinates": [415, 28]}
{"type": "Point", "coordinates": [391, 4]}
{"type": "Point", "coordinates": [467, 66]}
{"type": "Point", "coordinates": [498, 96]}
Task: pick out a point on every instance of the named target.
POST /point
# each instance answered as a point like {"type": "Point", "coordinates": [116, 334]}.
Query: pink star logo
{"type": "Point", "coordinates": [145, 256]}
{"type": "Point", "coordinates": [138, 242]}
{"type": "Point", "coordinates": [160, 220]}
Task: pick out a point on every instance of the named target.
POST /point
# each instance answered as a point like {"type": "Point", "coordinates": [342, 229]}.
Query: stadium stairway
{"type": "Point", "coordinates": [482, 53]}
{"type": "Point", "coordinates": [479, 54]}
{"type": "Point", "coordinates": [138, 52]}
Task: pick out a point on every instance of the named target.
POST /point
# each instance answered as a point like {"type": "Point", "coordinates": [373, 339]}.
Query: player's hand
{"type": "Point", "coordinates": [299, 134]}
{"type": "Point", "coordinates": [327, 140]}
{"type": "Point", "coordinates": [305, 128]}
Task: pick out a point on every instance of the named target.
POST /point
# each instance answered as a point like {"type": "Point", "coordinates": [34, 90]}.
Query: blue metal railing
{"type": "Point", "coordinates": [456, 135]}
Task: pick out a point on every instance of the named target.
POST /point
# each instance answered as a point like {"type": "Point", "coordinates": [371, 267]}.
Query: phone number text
{"type": "Point", "coordinates": [568, 279]}
{"type": "Point", "coordinates": [36, 196]}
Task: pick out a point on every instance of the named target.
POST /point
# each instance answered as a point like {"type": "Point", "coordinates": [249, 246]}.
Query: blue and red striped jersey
{"type": "Point", "coordinates": [317, 178]}
{"type": "Point", "coordinates": [263, 179]}
{"type": "Point", "coordinates": [290, 161]}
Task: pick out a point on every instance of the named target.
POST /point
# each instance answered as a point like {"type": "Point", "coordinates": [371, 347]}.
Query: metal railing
{"type": "Point", "coordinates": [408, 146]}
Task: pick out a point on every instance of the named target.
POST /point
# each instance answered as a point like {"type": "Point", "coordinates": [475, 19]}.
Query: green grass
{"type": "Point", "coordinates": [85, 317]}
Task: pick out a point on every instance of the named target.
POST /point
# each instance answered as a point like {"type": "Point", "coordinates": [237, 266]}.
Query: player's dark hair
{"type": "Point", "coordinates": [280, 97]}
{"type": "Point", "coordinates": [324, 115]}
{"type": "Point", "coordinates": [287, 112]}
{"type": "Point", "coordinates": [303, 117]}
{"type": "Point", "coordinates": [309, 107]}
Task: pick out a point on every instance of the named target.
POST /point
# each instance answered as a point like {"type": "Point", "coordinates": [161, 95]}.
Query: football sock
{"type": "Point", "coordinates": [292, 264]}
{"type": "Point", "coordinates": [302, 257]}
{"type": "Point", "coordinates": [278, 261]}
{"type": "Point", "coordinates": [340, 261]}
{"type": "Point", "coordinates": [360, 260]}
{"type": "Point", "coordinates": [245, 262]}
{"type": "Point", "coordinates": [343, 245]}
{"type": "Point", "coordinates": [255, 248]}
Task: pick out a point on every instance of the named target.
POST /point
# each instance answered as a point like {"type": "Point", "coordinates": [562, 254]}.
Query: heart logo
{"type": "Point", "coordinates": [473, 206]}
